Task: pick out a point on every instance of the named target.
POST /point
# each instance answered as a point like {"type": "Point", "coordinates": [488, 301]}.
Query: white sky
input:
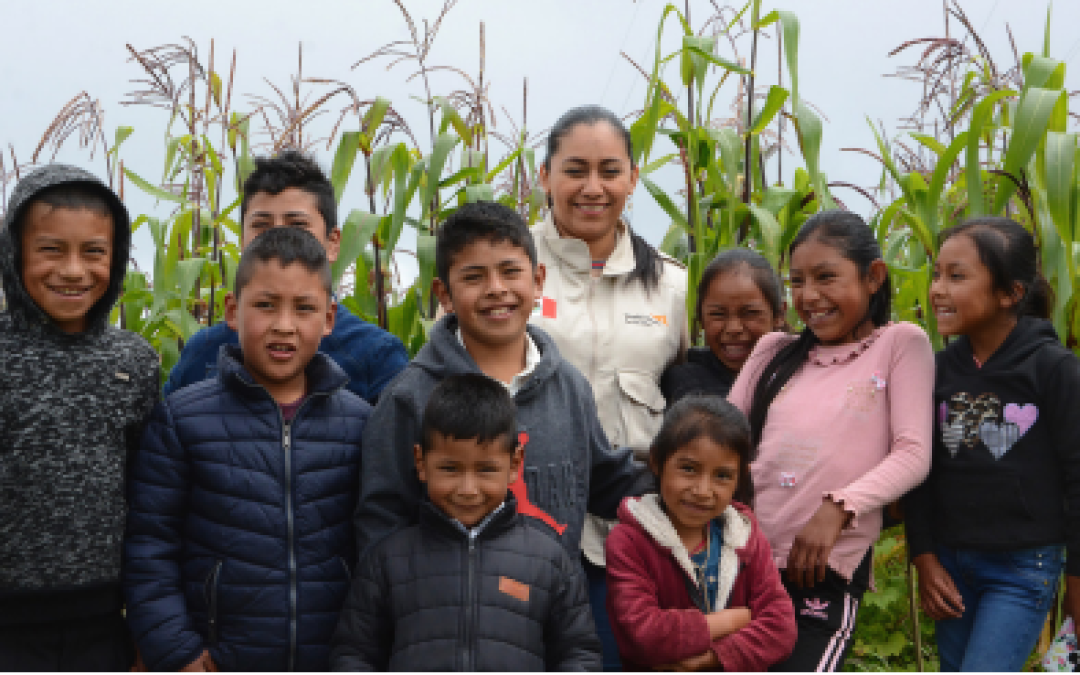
{"type": "Point", "coordinates": [568, 50]}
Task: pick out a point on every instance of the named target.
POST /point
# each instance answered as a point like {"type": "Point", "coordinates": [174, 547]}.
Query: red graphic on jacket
{"type": "Point", "coordinates": [521, 491]}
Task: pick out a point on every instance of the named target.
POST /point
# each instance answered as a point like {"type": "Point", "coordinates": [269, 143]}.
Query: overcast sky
{"type": "Point", "coordinates": [568, 50]}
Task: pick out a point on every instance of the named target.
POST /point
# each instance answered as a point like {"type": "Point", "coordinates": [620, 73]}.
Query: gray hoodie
{"type": "Point", "coordinates": [569, 466]}
{"type": "Point", "coordinates": [72, 407]}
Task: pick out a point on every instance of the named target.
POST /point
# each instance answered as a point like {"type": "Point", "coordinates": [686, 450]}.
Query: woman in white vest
{"type": "Point", "coordinates": [614, 305]}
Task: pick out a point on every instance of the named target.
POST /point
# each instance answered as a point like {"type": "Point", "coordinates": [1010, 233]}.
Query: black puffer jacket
{"type": "Point", "coordinates": [432, 597]}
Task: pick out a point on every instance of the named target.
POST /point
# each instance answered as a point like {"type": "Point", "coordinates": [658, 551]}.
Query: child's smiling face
{"type": "Point", "coordinates": [734, 316]}
{"type": "Point", "coordinates": [697, 482]}
{"type": "Point", "coordinates": [467, 479]}
{"type": "Point", "coordinates": [66, 261]}
{"type": "Point", "coordinates": [831, 294]}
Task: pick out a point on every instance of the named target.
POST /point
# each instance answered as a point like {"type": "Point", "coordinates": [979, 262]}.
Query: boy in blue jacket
{"type": "Point", "coordinates": [475, 586]}
{"type": "Point", "coordinates": [290, 190]}
{"type": "Point", "coordinates": [489, 279]}
{"type": "Point", "coordinates": [239, 543]}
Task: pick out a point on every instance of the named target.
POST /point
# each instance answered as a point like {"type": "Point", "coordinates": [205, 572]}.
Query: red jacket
{"type": "Point", "coordinates": [652, 614]}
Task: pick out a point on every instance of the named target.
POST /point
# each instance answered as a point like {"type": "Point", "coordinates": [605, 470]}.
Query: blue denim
{"type": "Point", "coordinates": [1007, 595]}
{"type": "Point", "coordinates": [597, 578]}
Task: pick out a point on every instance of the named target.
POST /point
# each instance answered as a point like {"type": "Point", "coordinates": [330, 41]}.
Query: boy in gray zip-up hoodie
{"type": "Point", "coordinates": [74, 395]}
{"type": "Point", "coordinates": [489, 278]}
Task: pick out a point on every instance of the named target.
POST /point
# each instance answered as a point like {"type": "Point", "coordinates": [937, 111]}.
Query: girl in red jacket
{"type": "Point", "coordinates": [691, 581]}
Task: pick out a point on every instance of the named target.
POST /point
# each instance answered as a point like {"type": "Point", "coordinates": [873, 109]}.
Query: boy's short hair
{"type": "Point", "coordinates": [480, 220]}
{"type": "Point", "coordinates": [470, 406]}
{"type": "Point", "coordinates": [292, 169]}
{"type": "Point", "coordinates": [286, 245]}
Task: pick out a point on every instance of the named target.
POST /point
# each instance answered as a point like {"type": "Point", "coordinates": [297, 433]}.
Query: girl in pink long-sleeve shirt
{"type": "Point", "coordinates": [841, 417]}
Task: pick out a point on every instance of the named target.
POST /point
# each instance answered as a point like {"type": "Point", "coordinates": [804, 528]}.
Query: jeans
{"type": "Point", "coordinates": [597, 578]}
{"type": "Point", "coordinates": [1007, 595]}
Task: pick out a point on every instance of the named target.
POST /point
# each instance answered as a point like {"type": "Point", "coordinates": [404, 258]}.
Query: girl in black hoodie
{"type": "Point", "coordinates": [989, 528]}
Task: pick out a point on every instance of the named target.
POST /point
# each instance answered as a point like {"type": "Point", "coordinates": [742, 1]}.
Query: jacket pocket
{"type": "Point", "coordinates": [210, 590]}
{"type": "Point", "coordinates": [642, 408]}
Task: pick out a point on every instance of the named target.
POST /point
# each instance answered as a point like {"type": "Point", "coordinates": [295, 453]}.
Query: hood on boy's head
{"type": "Point", "coordinates": [19, 303]}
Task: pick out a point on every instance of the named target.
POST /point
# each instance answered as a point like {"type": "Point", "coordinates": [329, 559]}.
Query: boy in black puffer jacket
{"type": "Point", "coordinates": [474, 586]}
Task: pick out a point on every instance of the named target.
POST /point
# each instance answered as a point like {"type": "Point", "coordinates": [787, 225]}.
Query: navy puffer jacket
{"type": "Point", "coordinates": [239, 534]}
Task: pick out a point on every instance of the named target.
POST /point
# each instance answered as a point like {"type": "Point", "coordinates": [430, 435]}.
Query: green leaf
{"type": "Point", "coordinates": [930, 142]}
{"type": "Point", "coordinates": [773, 103]}
{"type": "Point", "coordinates": [356, 234]}
{"type": "Point", "coordinates": [370, 124]}
{"type": "Point", "coordinates": [444, 143]}
{"type": "Point", "coordinates": [1060, 167]}
{"type": "Point", "coordinates": [677, 216]}
{"type": "Point", "coordinates": [1032, 117]}
{"type": "Point", "coordinates": [152, 190]}
{"type": "Point", "coordinates": [479, 193]}
{"type": "Point", "coordinates": [187, 273]}
{"type": "Point", "coordinates": [980, 117]}
{"type": "Point", "coordinates": [451, 116]}
{"type": "Point", "coordinates": [344, 159]}
{"type": "Point", "coordinates": [770, 233]}
{"type": "Point", "coordinates": [122, 134]}
{"type": "Point", "coordinates": [789, 24]}
{"type": "Point", "coordinates": [425, 256]}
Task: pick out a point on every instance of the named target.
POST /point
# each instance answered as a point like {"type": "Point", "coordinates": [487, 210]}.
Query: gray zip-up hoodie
{"type": "Point", "coordinates": [569, 465]}
{"type": "Point", "coordinates": [72, 406]}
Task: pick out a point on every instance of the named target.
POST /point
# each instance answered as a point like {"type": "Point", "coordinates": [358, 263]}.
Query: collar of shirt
{"type": "Point", "coordinates": [474, 532]}
{"type": "Point", "coordinates": [532, 359]}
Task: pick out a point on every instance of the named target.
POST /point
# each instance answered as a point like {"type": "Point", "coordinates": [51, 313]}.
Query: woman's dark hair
{"type": "Point", "coordinates": [762, 273]}
{"type": "Point", "coordinates": [721, 422]}
{"type": "Point", "coordinates": [1008, 251]}
{"type": "Point", "coordinates": [647, 263]}
{"type": "Point", "coordinates": [852, 237]}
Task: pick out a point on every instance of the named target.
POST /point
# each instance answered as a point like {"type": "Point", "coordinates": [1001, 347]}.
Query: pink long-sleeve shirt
{"type": "Point", "coordinates": [852, 425]}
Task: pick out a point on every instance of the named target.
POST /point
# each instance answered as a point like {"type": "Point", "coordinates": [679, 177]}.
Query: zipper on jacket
{"type": "Point", "coordinates": [470, 608]}
{"type": "Point", "coordinates": [212, 609]}
{"type": "Point", "coordinates": [286, 442]}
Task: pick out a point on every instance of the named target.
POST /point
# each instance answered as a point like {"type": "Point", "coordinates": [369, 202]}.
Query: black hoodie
{"type": "Point", "coordinates": [703, 373]}
{"type": "Point", "coordinates": [1006, 462]}
{"type": "Point", "coordinates": [72, 406]}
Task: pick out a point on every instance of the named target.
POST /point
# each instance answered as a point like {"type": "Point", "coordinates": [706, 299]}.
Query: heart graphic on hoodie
{"type": "Point", "coordinates": [953, 435]}
{"type": "Point", "coordinates": [966, 413]}
{"type": "Point", "coordinates": [1023, 416]}
{"type": "Point", "coordinates": [999, 438]}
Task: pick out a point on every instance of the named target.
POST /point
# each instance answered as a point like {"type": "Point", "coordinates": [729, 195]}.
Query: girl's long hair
{"type": "Point", "coordinates": [852, 237]}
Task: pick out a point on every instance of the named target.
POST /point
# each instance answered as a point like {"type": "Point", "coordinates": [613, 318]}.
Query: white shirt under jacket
{"type": "Point", "coordinates": [617, 334]}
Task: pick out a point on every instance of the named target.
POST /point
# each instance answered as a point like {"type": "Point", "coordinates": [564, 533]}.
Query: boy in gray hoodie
{"type": "Point", "coordinates": [74, 395]}
{"type": "Point", "coordinates": [488, 283]}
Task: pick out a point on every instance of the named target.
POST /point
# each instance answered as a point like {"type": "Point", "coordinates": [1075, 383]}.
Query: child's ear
{"type": "Point", "coordinates": [331, 316]}
{"type": "Point", "coordinates": [539, 276]}
{"type": "Point", "coordinates": [333, 245]}
{"type": "Point", "coordinates": [1009, 300]}
{"type": "Point", "coordinates": [877, 274]}
{"type": "Point", "coordinates": [515, 462]}
{"type": "Point", "coordinates": [418, 457]}
{"type": "Point", "coordinates": [652, 466]}
{"type": "Point", "coordinates": [442, 292]}
{"type": "Point", "coordinates": [231, 310]}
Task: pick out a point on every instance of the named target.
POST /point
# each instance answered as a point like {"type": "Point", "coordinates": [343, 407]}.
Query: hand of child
{"type": "Point", "coordinates": [706, 661]}
{"type": "Point", "coordinates": [938, 596]}
{"type": "Point", "coordinates": [727, 621]}
{"type": "Point", "coordinates": [808, 559]}
{"type": "Point", "coordinates": [203, 664]}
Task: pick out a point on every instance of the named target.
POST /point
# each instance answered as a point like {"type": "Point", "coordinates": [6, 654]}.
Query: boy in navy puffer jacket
{"type": "Point", "coordinates": [239, 538]}
{"type": "Point", "coordinates": [475, 586]}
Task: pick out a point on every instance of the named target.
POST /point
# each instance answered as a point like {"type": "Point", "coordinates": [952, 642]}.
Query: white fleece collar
{"type": "Point", "coordinates": [648, 513]}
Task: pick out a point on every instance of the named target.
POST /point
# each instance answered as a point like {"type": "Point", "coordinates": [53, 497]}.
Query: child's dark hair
{"type": "Point", "coordinates": [480, 220]}
{"type": "Point", "coordinates": [1008, 251]}
{"type": "Point", "coordinates": [75, 197]}
{"type": "Point", "coordinates": [470, 406]}
{"type": "Point", "coordinates": [698, 415]}
{"type": "Point", "coordinates": [291, 169]}
{"type": "Point", "coordinates": [648, 265]}
{"type": "Point", "coordinates": [852, 237]}
{"type": "Point", "coordinates": [761, 272]}
{"type": "Point", "coordinates": [286, 245]}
